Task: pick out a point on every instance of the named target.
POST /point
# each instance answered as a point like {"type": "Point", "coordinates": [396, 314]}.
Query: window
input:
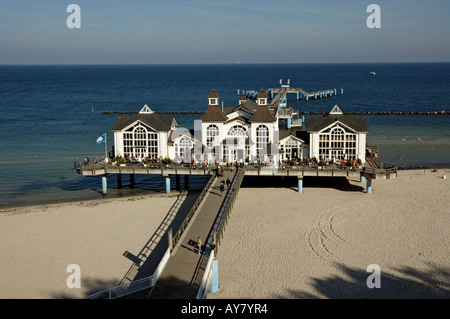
{"type": "Point", "coordinates": [262, 139]}
{"type": "Point", "coordinates": [183, 147]}
{"type": "Point", "coordinates": [139, 142]}
{"type": "Point", "coordinates": [336, 143]}
{"type": "Point", "coordinates": [237, 130]}
{"type": "Point", "coordinates": [211, 132]}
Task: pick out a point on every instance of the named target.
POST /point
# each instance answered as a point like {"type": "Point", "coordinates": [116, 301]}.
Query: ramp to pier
{"type": "Point", "coordinates": [183, 273]}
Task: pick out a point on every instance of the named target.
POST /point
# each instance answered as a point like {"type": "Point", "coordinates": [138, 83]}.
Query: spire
{"type": "Point", "coordinates": [261, 98]}
{"type": "Point", "coordinates": [213, 98]}
{"type": "Point", "coordinates": [242, 98]}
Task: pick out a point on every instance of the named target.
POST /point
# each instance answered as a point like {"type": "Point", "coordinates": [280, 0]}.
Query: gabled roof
{"type": "Point", "coordinates": [213, 94]}
{"type": "Point", "coordinates": [153, 120]}
{"type": "Point", "coordinates": [174, 134]}
{"type": "Point", "coordinates": [262, 114]}
{"type": "Point", "coordinates": [262, 94]}
{"type": "Point", "coordinates": [238, 118]}
{"type": "Point", "coordinates": [282, 134]}
{"type": "Point", "coordinates": [316, 124]}
{"type": "Point", "coordinates": [214, 114]}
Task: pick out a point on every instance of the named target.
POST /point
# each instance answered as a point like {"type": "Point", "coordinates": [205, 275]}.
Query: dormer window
{"type": "Point", "coordinates": [212, 101]}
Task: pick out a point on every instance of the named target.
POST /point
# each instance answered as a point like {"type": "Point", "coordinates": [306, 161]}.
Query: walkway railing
{"type": "Point", "coordinates": [173, 240]}
{"type": "Point", "coordinates": [134, 286]}
{"type": "Point", "coordinates": [217, 231]}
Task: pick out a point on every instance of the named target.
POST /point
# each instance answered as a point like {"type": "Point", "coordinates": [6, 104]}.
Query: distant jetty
{"type": "Point", "coordinates": [443, 112]}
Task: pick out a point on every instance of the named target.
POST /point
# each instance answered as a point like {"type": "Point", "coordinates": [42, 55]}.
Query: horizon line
{"type": "Point", "coordinates": [213, 63]}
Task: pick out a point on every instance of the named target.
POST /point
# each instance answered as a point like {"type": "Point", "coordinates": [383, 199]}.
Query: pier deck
{"type": "Point", "coordinates": [183, 273]}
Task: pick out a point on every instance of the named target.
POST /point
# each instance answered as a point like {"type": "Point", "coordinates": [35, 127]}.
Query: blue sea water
{"type": "Point", "coordinates": [47, 122]}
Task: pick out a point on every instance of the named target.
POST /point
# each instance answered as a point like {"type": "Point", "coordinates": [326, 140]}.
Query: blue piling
{"type": "Point", "coordinates": [315, 95]}
{"type": "Point", "coordinates": [104, 185]}
{"type": "Point", "coordinates": [342, 91]}
{"type": "Point", "coordinates": [335, 92]}
{"type": "Point", "coordinates": [215, 279]}
{"type": "Point", "coordinates": [289, 123]}
{"type": "Point", "coordinates": [362, 179]}
{"type": "Point", "coordinates": [300, 185]}
{"type": "Point", "coordinates": [298, 96]}
{"type": "Point", "coordinates": [168, 184]}
{"type": "Point", "coordinates": [369, 186]}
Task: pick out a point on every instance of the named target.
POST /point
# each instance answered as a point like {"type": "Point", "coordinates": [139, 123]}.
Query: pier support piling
{"type": "Point", "coordinates": [289, 123]}
{"type": "Point", "coordinates": [215, 279]}
{"type": "Point", "coordinates": [186, 182]}
{"type": "Point", "coordinates": [300, 185]}
{"type": "Point", "coordinates": [363, 179]}
{"type": "Point", "coordinates": [168, 184]}
{"type": "Point", "coordinates": [177, 182]}
{"type": "Point", "coordinates": [104, 185]}
{"type": "Point", "coordinates": [369, 186]}
{"type": "Point", "coordinates": [119, 180]}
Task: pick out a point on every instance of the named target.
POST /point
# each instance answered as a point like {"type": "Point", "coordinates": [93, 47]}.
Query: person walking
{"type": "Point", "coordinates": [199, 244]}
{"type": "Point", "coordinates": [228, 183]}
{"type": "Point", "coordinates": [222, 188]}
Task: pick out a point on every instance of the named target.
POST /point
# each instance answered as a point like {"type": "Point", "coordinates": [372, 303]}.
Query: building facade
{"type": "Point", "coordinates": [336, 136]}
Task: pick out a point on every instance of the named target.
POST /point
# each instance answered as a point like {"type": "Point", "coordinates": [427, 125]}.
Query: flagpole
{"type": "Point", "coordinates": [106, 149]}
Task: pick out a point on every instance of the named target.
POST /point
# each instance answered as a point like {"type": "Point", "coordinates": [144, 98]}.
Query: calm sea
{"type": "Point", "coordinates": [47, 122]}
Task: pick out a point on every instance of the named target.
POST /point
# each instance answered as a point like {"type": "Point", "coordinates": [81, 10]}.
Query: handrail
{"type": "Point", "coordinates": [134, 286]}
{"type": "Point", "coordinates": [186, 221]}
{"type": "Point", "coordinates": [217, 230]}
{"type": "Point", "coordinates": [207, 278]}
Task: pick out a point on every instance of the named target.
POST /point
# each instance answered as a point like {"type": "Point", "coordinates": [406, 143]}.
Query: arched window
{"type": "Point", "coordinates": [237, 130]}
{"type": "Point", "coordinates": [140, 142]}
{"type": "Point", "coordinates": [211, 132]}
{"type": "Point", "coordinates": [262, 138]}
{"type": "Point", "coordinates": [183, 147]}
{"type": "Point", "coordinates": [337, 138]}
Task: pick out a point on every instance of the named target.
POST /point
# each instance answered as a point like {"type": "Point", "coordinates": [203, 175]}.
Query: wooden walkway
{"type": "Point", "coordinates": [183, 273]}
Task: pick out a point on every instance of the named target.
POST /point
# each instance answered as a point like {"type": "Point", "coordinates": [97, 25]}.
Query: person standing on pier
{"type": "Point", "coordinates": [199, 244]}
{"type": "Point", "coordinates": [222, 188]}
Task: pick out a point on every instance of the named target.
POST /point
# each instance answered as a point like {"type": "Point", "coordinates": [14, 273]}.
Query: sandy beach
{"type": "Point", "coordinates": [319, 244]}
{"type": "Point", "coordinates": [277, 244]}
{"type": "Point", "coordinates": [103, 237]}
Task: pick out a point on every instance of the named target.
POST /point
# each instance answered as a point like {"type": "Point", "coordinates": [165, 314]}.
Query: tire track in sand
{"type": "Point", "coordinates": [323, 238]}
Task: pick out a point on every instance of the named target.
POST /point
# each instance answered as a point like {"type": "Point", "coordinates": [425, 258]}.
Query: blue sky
{"type": "Point", "coordinates": [208, 31]}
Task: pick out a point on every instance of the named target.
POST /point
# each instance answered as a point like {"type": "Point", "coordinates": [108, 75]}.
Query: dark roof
{"type": "Point", "coordinates": [179, 132]}
{"type": "Point", "coordinates": [262, 114]}
{"type": "Point", "coordinates": [214, 114]}
{"type": "Point", "coordinates": [282, 134]}
{"type": "Point", "coordinates": [315, 124]}
{"type": "Point", "coordinates": [213, 94]}
{"type": "Point", "coordinates": [262, 94]}
{"type": "Point", "coordinates": [248, 106]}
{"type": "Point", "coordinates": [153, 120]}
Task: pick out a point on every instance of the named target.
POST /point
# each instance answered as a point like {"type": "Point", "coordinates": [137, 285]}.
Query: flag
{"type": "Point", "coordinates": [100, 140]}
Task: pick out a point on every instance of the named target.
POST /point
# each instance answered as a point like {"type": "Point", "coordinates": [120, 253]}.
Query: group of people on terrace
{"type": "Point", "coordinates": [313, 161]}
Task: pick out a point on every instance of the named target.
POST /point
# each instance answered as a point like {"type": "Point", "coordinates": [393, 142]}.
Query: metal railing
{"type": "Point", "coordinates": [134, 286]}
{"type": "Point", "coordinates": [217, 231]}
{"type": "Point", "coordinates": [207, 278]}
{"type": "Point", "coordinates": [175, 238]}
